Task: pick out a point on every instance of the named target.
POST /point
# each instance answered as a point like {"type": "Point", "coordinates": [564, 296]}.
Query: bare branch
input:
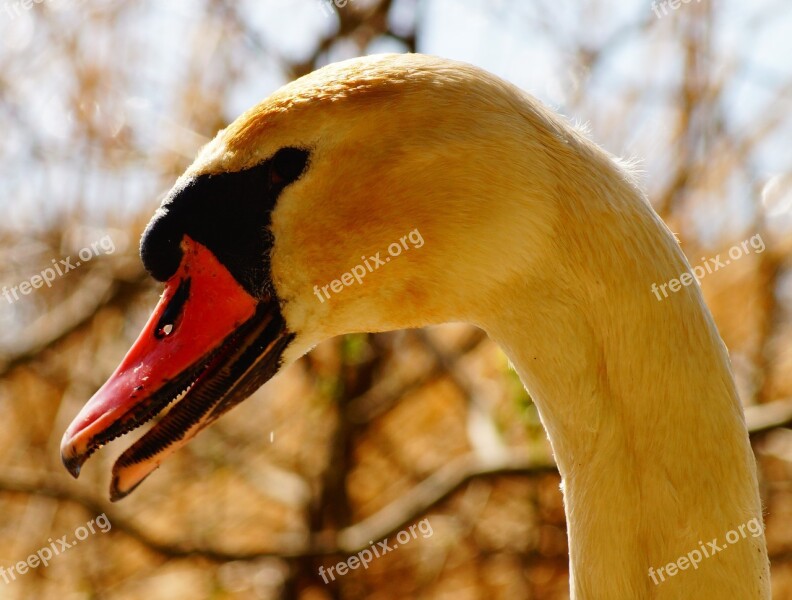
{"type": "Point", "coordinates": [420, 499]}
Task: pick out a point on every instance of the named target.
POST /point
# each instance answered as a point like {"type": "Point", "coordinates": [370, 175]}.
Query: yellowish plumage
{"type": "Point", "coordinates": [541, 238]}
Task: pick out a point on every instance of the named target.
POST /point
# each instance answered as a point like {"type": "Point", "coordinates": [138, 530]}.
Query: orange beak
{"type": "Point", "coordinates": [208, 344]}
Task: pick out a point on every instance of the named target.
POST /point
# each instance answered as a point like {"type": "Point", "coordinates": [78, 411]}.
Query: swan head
{"type": "Point", "coordinates": [376, 194]}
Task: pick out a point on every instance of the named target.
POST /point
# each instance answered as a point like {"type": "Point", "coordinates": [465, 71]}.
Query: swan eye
{"type": "Point", "coordinates": [287, 165]}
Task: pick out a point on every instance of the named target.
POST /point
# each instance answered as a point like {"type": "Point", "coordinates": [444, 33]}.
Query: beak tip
{"type": "Point", "coordinates": [72, 464]}
{"type": "Point", "coordinates": [72, 460]}
{"type": "Point", "coordinates": [117, 493]}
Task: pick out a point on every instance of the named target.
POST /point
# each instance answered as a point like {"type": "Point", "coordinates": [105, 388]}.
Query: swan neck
{"type": "Point", "coordinates": [641, 410]}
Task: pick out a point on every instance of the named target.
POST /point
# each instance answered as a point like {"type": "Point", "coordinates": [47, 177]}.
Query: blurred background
{"type": "Point", "coordinates": [103, 104]}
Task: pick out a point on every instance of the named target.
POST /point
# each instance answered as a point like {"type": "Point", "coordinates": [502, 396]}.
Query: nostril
{"type": "Point", "coordinates": [170, 315]}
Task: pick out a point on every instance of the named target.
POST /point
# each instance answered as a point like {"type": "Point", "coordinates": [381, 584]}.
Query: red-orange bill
{"type": "Point", "coordinates": [207, 337]}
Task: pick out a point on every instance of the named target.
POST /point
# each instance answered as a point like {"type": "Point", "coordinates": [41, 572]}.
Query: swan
{"type": "Point", "coordinates": [528, 230]}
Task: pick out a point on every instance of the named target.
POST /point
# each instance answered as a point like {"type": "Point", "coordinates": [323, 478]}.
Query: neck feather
{"type": "Point", "coordinates": [638, 400]}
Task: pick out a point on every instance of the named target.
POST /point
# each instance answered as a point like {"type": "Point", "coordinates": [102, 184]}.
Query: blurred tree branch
{"type": "Point", "coordinates": [419, 500]}
{"type": "Point", "coordinates": [348, 540]}
{"type": "Point", "coordinates": [97, 292]}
